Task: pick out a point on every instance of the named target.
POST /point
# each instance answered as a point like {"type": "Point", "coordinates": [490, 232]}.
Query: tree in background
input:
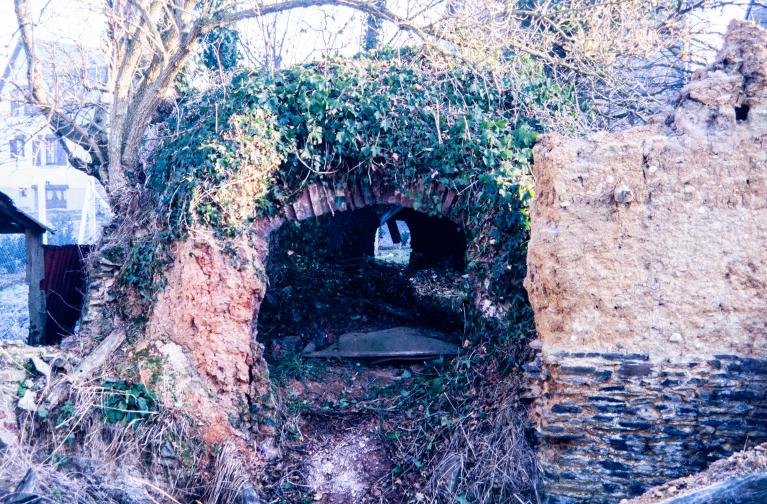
{"type": "Point", "coordinates": [220, 51]}
{"type": "Point", "coordinates": [622, 59]}
{"type": "Point", "coordinates": [373, 27]}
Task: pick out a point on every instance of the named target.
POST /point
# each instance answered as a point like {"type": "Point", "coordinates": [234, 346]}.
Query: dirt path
{"type": "Point", "coordinates": [345, 460]}
{"type": "Point", "coordinates": [331, 452]}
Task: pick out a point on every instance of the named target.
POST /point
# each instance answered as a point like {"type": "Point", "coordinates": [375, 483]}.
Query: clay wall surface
{"type": "Point", "coordinates": [655, 239]}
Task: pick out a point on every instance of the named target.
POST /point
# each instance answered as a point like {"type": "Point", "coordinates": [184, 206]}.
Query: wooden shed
{"type": "Point", "coordinates": [13, 220]}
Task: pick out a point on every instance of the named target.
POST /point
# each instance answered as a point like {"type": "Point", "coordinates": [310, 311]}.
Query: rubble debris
{"type": "Point", "coordinates": [27, 401]}
{"type": "Point", "coordinates": [745, 470]}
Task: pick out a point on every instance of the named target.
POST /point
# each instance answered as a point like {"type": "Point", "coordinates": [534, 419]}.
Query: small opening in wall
{"type": "Point", "coordinates": [741, 113]}
{"type": "Point", "coordinates": [392, 242]}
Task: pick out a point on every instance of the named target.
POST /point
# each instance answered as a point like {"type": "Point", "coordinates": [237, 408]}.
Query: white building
{"type": "Point", "coordinates": [34, 164]}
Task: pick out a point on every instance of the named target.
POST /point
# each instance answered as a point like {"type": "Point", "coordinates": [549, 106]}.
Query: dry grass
{"type": "Point", "coordinates": [77, 456]}
{"type": "Point", "coordinates": [479, 451]}
{"type": "Point", "coordinates": [228, 477]}
{"type": "Point", "coordinates": [492, 464]}
{"type": "Point", "coordinates": [465, 442]}
{"type": "Point", "coordinates": [49, 478]}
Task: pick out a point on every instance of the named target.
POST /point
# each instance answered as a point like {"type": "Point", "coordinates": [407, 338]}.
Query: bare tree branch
{"type": "Point", "coordinates": [63, 126]}
{"type": "Point", "coordinates": [597, 46]}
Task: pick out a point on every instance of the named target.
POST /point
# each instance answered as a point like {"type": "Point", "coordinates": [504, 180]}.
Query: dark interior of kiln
{"type": "Point", "coordinates": [381, 268]}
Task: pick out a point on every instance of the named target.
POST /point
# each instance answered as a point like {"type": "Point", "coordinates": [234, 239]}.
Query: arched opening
{"type": "Point", "coordinates": [335, 278]}
{"type": "Point", "coordinates": [392, 242]}
{"type": "Point", "coordinates": [345, 320]}
{"type": "Point", "coordinates": [319, 146]}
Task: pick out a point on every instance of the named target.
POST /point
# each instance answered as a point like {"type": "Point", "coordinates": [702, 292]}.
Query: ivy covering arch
{"type": "Point", "coordinates": [246, 151]}
{"type": "Point", "coordinates": [180, 276]}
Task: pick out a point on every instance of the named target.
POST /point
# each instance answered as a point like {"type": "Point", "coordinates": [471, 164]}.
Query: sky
{"type": "Point", "coordinates": [308, 33]}
{"type": "Point", "coordinates": [77, 21]}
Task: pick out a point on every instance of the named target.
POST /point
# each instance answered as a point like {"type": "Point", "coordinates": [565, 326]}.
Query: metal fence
{"type": "Point", "coordinates": [14, 310]}
{"type": "Point", "coordinates": [12, 254]}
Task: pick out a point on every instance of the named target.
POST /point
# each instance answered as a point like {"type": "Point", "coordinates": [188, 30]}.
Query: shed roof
{"type": "Point", "coordinates": [13, 220]}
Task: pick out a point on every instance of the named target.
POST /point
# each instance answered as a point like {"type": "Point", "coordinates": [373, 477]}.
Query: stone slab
{"type": "Point", "coordinates": [395, 342]}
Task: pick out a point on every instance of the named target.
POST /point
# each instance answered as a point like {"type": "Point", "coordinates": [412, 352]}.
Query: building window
{"type": "Point", "coordinates": [49, 151]}
{"type": "Point", "coordinates": [37, 152]}
{"type": "Point", "coordinates": [56, 196]}
{"type": "Point", "coordinates": [97, 74]}
{"type": "Point", "coordinates": [54, 151]}
{"type": "Point", "coordinates": [17, 147]}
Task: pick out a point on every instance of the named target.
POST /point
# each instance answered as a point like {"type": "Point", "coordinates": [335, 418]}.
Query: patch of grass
{"type": "Point", "coordinates": [458, 430]}
{"type": "Point", "coordinates": [295, 367]}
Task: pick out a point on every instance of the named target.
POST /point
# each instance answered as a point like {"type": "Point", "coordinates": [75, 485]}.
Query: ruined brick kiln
{"type": "Point", "coordinates": [645, 266]}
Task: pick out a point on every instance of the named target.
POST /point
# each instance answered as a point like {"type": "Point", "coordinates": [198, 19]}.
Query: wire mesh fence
{"type": "Point", "coordinates": [14, 312]}
{"type": "Point", "coordinates": [12, 255]}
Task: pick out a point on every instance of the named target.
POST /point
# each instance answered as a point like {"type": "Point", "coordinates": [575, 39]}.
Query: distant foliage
{"type": "Point", "coordinates": [220, 51]}
{"type": "Point", "coordinates": [64, 229]}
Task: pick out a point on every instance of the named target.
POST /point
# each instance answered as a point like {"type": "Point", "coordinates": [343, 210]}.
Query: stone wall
{"type": "Point", "coordinates": [648, 278]}
{"type": "Point", "coordinates": [613, 424]}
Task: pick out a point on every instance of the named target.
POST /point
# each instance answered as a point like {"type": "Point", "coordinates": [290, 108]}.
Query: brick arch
{"type": "Point", "coordinates": [438, 236]}
{"type": "Point", "coordinates": [208, 310]}
{"type": "Point", "coordinates": [319, 199]}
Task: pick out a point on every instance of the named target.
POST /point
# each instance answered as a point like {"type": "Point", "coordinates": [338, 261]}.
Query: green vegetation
{"type": "Point", "coordinates": [219, 49]}
{"type": "Point", "coordinates": [127, 403]}
{"type": "Point", "coordinates": [294, 367]}
{"type": "Point", "coordinates": [246, 151]}
{"type": "Point", "coordinates": [465, 410]}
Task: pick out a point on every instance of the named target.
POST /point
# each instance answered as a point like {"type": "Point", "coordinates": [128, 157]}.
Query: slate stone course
{"type": "Point", "coordinates": [612, 425]}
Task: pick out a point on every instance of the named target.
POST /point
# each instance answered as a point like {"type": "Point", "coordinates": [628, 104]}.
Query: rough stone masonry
{"type": "Point", "coordinates": [648, 277]}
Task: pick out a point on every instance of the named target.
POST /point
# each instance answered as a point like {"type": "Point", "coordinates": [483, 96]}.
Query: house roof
{"type": "Point", "coordinates": [13, 220]}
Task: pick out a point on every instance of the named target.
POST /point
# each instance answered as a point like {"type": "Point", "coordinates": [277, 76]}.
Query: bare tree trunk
{"type": "Point", "coordinates": [373, 28]}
